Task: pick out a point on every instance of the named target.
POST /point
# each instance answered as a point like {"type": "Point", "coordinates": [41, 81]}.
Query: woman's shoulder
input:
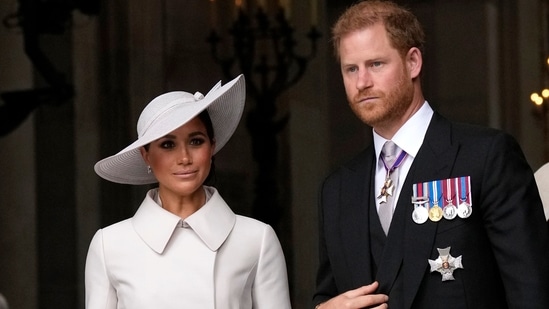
{"type": "Point", "coordinates": [117, 229]}
{"type": "Point", "coordinates": [117, 226]}
{"type": "Point", "coordinates": [251, 222]}
{"type": "Point", "coordinates": [252, 228]}
{"type": "Point", "coordinates": [257, 236]}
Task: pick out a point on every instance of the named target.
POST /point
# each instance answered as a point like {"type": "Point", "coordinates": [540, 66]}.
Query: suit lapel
{"type": "Point", "coordinates": [410, 244]}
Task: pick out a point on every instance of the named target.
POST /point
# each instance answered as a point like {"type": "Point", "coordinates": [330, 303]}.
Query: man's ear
{"type": "Point", "coordinates": [414, 61]}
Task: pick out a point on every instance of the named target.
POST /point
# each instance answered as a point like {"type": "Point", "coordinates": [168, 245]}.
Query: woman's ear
{"type": "Point", "coordinates": [414, 61]}
{"type": "Point", "coordinates": [144, 154]}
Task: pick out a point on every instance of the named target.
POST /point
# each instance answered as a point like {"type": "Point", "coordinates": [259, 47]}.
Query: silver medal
{"type": "Point", "coordinates": [449, 212]}
{"type": "Point", "coordinates": [464, 210]}
{"type": "Point", "coordinates": [420, 215]}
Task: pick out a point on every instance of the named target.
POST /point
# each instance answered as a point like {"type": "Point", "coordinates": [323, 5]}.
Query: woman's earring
{"type": "Point", "coordinates": [149, 169]}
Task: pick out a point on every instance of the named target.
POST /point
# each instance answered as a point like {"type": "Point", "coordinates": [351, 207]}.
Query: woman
{"type": "Point", "coordinates": [184, 247]}
{"type": "Point", "coordinates": [3, 302]}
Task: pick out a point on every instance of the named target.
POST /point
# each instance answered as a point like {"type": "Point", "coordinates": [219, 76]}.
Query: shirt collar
{"type": "Point", "coordinates": [410, 136]}
{"type": "Point", "coordinates": [213, 222]}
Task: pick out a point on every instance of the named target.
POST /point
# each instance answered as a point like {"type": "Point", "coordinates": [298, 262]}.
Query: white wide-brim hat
{"type": "Point", "coordinates": [167, 112]}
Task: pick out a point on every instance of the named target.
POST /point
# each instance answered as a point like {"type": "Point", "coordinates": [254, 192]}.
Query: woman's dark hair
{"type": "Point", "coordinates": [204, 116]}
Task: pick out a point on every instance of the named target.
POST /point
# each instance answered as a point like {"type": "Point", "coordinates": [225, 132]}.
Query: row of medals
{"type": "Point", "coordinates": [435, 213]}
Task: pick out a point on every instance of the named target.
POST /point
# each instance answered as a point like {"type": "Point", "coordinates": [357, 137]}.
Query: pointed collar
{"type": "Point", "coordinates": [410, 136]}
{"type": "Point", "coordinates": [213, 222]}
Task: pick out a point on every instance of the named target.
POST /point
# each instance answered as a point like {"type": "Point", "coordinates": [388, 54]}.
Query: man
{"type": "Point", "coordinates": [455, 221]}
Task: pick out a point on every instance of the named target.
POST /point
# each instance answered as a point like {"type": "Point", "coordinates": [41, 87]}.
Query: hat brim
{"type": "Point", "coordinates": [225, 105]}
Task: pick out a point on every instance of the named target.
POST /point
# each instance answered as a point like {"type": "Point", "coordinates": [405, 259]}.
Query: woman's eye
{"type": "Point", "coordinates": [167, 144]}
{"type": "Point", "coordinates": [197, 141]}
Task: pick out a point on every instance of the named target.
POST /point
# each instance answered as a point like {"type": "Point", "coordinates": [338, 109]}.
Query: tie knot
{"type": "Point", "coordinates": [389, 152]}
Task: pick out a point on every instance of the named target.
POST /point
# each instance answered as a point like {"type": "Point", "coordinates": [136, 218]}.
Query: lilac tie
{"type": "Point", "coordinates": [389, 153]}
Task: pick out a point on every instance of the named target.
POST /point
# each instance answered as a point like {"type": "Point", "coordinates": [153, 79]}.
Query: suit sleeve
{"type": "Point", "coordinates": [100, 294]}
{"type": "Point", "coordinates": [325, 282]}
{"type": "Point", "coordinates": [515, 224]}
{"type": "Point", "coordinates": [270, 287]}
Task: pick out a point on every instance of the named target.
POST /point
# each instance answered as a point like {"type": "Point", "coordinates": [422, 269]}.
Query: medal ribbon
{"type": "Point", "coordinates": [419, 189]}
{"type": "Point", "coordinates": [435, 197]}
{"type": "Point", "coordinates": [426, 192]}
{"type": "Point", "coordinates": [397, 163]}
{"type": "Point", "coordinates": [449, 192]}
{"type": "Point", "coordinates": [464, 189]}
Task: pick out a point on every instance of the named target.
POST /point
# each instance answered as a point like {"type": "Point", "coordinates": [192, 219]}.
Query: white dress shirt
{"type": "Point", "coordinates": [408, 138]}
{"type": "Point", "coordinates": [212, 259]}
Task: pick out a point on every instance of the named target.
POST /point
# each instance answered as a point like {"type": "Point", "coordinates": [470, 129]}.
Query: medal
{"type": "Point", "coordinates": [420, 213]}
{"type": "Point", "coordinates": [449, 211]}
{"type": "Point", "coordinates": [464, 209]}
{"type": "Point", "coordinates": [448, 199]}
{"type": "Point", "coordinates": [445, 264]}
{"type": "Point", "coordinates": [388, 185]}
{"type": "Point", "coordinates": [435, 212]}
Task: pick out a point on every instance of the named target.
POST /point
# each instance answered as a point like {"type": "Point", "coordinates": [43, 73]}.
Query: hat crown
{"type": "Point", "coordinates": [161, 105]}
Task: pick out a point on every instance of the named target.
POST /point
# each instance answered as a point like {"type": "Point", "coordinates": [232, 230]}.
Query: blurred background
{"type": "Point", "coordinates": [75, 74]}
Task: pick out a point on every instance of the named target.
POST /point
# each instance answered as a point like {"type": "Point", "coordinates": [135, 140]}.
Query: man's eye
{"type": "Point", "coordinates": [376, 64]}
{"type": "Point", "coordinates": [351, 69]}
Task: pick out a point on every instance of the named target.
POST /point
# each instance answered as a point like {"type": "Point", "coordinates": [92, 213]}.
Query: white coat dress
{"type": "Point", "coordinates": [212, 259]}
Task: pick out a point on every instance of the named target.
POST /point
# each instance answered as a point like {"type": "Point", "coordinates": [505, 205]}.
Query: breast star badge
{"type": "Point", "coordinates": [445, 264]}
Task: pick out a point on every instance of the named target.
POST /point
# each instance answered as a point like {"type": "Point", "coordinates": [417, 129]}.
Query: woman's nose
{"type": "Point", "coordinates": [185, 156]}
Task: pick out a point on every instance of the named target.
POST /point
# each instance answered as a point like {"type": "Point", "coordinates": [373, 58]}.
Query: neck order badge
{"type": "Point", "coordinates": [390, 162]}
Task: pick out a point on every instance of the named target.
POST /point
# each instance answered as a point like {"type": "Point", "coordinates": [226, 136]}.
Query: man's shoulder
{"type": "Point", "coordinates": [472, 139]}
{"type": "Point", "coordinates": [468, 132]}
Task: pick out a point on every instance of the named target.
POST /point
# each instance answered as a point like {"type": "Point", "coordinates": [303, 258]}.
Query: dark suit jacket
{"type": "Point", "coordinates": [504, 244]}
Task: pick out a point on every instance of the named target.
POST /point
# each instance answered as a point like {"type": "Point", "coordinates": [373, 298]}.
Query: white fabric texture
{"type": "Point", "coordinates": [213, 259]}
